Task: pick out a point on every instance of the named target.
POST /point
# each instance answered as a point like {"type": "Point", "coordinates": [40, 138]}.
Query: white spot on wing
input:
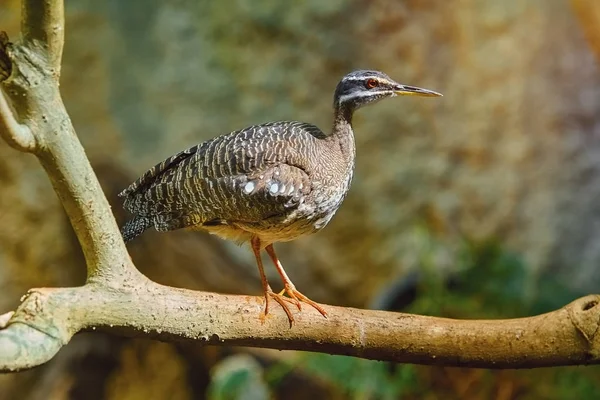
{"type": "Point", "coordinates": [249, 187]}
{"type": "Point", "coordinates": [291, 189]}
{"type": "Point", "coordinates": [274, 188]}
{"type": "Point", "coordinates": [282, 188]}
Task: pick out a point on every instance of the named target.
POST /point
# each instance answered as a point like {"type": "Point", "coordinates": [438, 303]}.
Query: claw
{"type": "Point", "coordinates": [279, 298]}
{"type": "Point", "coordinates": [299, 297]}
{"type": "Point", "coordinates": [292, 297]}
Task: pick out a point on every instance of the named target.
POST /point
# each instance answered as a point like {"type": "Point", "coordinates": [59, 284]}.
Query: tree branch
{"type": "Point", "coordinates": [33, 88]}
{"type": "Point", "coordinates": [43, 24]}
{"type": "Point", "coordinates": [16, 135]}
{"type": "Point", "coordinates": [568, 336]}
{"type": "Point", "coordinates": [117, 298]}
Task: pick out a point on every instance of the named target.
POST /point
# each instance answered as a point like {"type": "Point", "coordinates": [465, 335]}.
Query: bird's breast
{"type": "Point", "coordinates": [328, 195]}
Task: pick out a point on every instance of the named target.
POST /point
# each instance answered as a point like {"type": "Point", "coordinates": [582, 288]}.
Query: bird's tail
{"type": "Point", "coordinates": [135, 227]}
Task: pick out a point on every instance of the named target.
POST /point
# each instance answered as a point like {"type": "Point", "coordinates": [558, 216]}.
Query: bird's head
{"type": "Point", "coordinates": [360, 88]}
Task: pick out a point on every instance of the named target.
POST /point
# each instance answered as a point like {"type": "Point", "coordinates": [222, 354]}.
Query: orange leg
{"type": "Point", "coordinates": [289, 287]}
{"type": "Point", "coordinates": [255, 244]}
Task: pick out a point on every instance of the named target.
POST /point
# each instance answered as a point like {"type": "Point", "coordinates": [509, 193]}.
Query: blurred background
{"type": "Point", "coordinates": [481, 204]}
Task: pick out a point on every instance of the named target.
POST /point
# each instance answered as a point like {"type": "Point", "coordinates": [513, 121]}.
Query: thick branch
{"type": "Point", "coordinates": [43, 24]}
{"type": "Point", "coordinates": [568, 336]}
{"type": "Point", "coordinates": [33, 68]}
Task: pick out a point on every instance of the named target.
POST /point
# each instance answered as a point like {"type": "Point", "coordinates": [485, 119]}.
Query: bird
{"type": "Point", "coordinates": [263, 184]}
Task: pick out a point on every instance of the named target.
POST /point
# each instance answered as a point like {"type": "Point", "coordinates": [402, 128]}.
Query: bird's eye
{"type": "Point", "coordinates": [371, 83]}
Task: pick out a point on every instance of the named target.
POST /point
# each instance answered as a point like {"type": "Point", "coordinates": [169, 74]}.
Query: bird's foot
{"type": "Point", "coordinates": [299, 298]}
{"type": "Point", "coordinates": [281, 299]}
{"type": "Point", "coordinates": [295, 298]}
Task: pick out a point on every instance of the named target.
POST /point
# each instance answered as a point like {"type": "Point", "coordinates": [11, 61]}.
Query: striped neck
{"type": "Point", "coordinates": [342, 132]}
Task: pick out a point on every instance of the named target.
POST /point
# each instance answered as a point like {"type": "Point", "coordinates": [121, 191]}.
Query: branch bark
{"type": "Point", "coordinates": [16, 135]}
{"type": "Point", "coordinates": [32, 87]}
{"type": "Point", "coordinates": [567, 336]}
{"type": "Point", "coordinates": [117, 298]}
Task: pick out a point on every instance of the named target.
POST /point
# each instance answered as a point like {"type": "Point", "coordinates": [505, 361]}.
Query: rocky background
{"type": "Point", "coordinates": [510, 154]}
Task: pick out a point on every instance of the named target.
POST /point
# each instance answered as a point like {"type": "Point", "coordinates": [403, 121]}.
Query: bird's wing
{"type": "Point", "coordinates": [156, 172]}
{"type": "Point", "coordinates": [246, 176]}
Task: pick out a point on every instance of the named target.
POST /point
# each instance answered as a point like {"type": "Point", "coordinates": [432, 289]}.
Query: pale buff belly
{"type": "Point", "coordinates": [268, 231]}
{"type": "Point", "coordinates": [241, 232]}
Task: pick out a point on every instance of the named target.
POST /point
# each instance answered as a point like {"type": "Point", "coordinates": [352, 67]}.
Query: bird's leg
{"type": "Point", "coordinates": [255, 244]}
{"type": "Point", "coordinates": [288, 286]}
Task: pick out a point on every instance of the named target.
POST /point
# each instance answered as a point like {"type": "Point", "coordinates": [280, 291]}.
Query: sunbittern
{"type": "Point", "coordinates": [264, 184]}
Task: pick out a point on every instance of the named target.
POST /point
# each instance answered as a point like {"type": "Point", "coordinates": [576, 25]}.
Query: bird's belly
{"type": "Point", "coordinates": [304, 220]}
{"type": "Point", "coordinates": [280, 228]}
{"type": "Point", "coordinates": [227, 232]}
{"type": "Point", "coordinates": [308, 217]}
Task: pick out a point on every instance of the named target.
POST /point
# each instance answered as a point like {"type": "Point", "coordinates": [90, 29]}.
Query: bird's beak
{"type": "Point", "coordinates": [404, 90]}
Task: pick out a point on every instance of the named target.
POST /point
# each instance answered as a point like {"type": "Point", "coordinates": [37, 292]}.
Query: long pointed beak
{"type": "Point", "coordinates": [404, 90]}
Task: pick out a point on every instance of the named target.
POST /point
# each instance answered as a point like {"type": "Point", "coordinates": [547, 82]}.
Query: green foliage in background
{"type": "Point", "coordinates": [238, 377]}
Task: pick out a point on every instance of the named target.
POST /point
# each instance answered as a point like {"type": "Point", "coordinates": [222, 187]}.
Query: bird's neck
{"type": "Point", "coordinates": [342, 134]}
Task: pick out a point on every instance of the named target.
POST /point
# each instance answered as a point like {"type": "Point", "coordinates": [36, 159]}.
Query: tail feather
{"type": "Point", "coordinates": [135, 227]}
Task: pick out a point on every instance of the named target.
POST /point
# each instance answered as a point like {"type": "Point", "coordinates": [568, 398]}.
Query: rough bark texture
{"type": "Point", "coordinates": [568, 336]}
